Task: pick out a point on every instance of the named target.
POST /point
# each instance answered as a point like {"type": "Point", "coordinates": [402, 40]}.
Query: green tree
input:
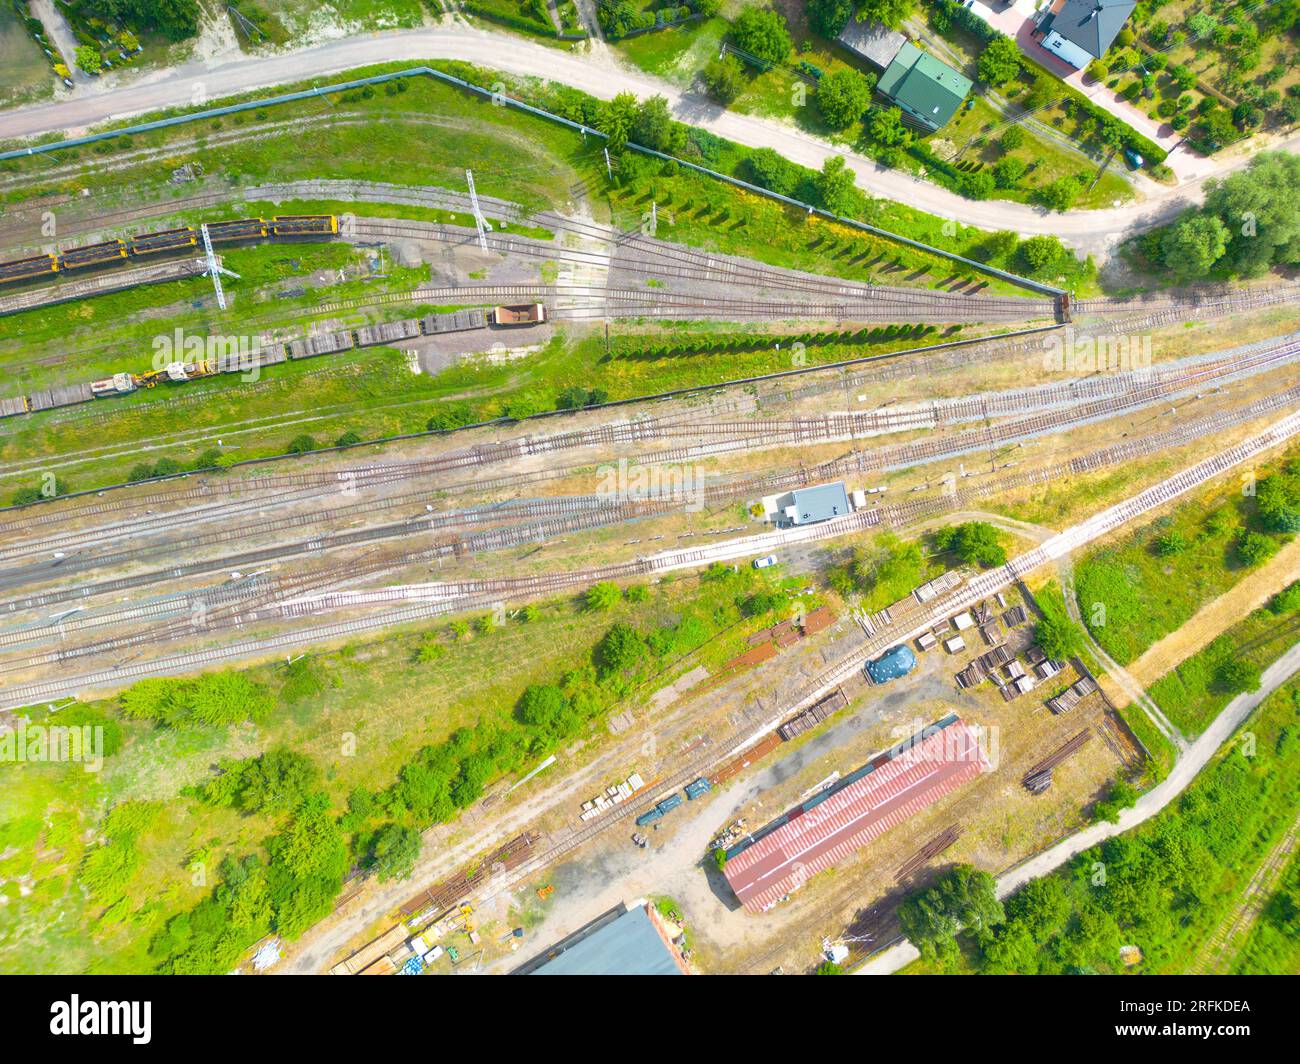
{"type": "Point", "coordinates": [842, 97]}
{"type": "Point", "coordinates": [1237, 676]}
{"type": "Point", "coordinates": [1008, 171]}
{"type": "Point", "coordinates": [1013, 138]}
{"type": "Point", "coordinates": [892, 13]}
{"type": "Point", "coordinates": [975, 542]}
{"type": "Point", "coordinates": [829, 968]}
{"type": "Point", "coordinates": [1042, 254]}
{"type": "Point", "coordinates": [654, 127]}
{"type": "Point", "coordinates": [1257, 206]}
{"type": "Point", "coordinates": [1254, 547]}
{"type": "Point", "coordinates": [89, 59]}
{"type": "Point", "coordinates": [885, 125]}
{"type": "Point", "coordinates": [771, 170]}
{"type": "Point", "coordinates": [724, 78]}
{"type": "Point", "coordinates": [762, 33]}
{"type": "Point", "coordinates": [542, 705]}
{"type": "Point", "coordinates": [999, 62]}
{"type": "Point", "coordinates": [616, 119]}
{"type": "Point", "coordinates": [834, 185]}
{"type": "Point", "coordinates": [829, 17]}
{"type": "Point", "coordinates": [622, 648]}
{"type": "Point", "coordinates": [394, 852]}
{"type": "Point", "coordinates": [1061, 194]}
{"type": "Point", "coordinates": [277, 781]}
{"type": "Point", "coordinates": [963, 898]}
{"type": "Point", "coordinates": [301, 444]}
{"type": "Point", "coordinates": [603, 596]}
{"type": "Point", "coordinates": [176, 19]}
{"type": "Point", "coordinates": [1192, 246]}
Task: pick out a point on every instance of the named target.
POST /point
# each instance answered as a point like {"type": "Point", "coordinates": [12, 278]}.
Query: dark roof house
{"type": "Point", "coordinates": [875, 43]}
{"type": "Point", "coordinates": [927, 91]}
{"type": "Point", "coordinates": [1080, 31]}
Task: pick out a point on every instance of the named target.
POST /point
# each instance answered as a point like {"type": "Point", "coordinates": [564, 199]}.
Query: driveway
{"type": "Point", "coordinates": [60, 34]}
{"type": "Point", "coordinates": [1017, 22]}
{"type": "Point", "coordinates": [602, 75]}
{"type": "Point", "coordinates": [1195, 758]}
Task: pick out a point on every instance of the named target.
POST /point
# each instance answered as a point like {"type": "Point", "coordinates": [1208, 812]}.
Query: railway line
{"type": "Point", "coordinates": [1115, 401]}
{"type": "Point", "coordinates": [301, 597]}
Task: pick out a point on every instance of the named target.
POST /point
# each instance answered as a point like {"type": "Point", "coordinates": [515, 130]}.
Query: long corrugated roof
{"type": "Point", "coordinates": [815, 840]}
{"type": "Point", "coordinates": [632, 944]}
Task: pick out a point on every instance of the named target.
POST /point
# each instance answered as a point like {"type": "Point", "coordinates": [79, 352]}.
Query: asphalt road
{"type": "Point", "coordinates": [601, 74]}
{"type": "Point", "coordinates": [1184, 771]}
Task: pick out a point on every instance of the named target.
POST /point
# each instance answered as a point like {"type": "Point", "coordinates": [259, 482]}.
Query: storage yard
{"type": "Point", "coordinates": [818, 763]}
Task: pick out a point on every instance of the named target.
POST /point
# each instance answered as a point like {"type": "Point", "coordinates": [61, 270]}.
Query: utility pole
{"type": "Point", "coordinates": [482, 224]}
{"type": "Point", "coordinates": [214, 271]}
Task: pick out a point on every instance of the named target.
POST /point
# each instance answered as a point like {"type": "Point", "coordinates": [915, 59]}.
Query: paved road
{"type": "Point", "coordinates": [1184, 771]}
{"type": "Point", "coordinates": [601, 74]}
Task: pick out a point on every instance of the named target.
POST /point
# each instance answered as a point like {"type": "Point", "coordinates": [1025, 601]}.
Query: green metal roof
{"type": "Point", "coordinates": [924, 88]}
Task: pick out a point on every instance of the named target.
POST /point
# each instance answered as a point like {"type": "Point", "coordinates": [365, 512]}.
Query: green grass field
{"type": "Point", "coordinates": [363, 712]}
{"type": "Point", "coordinates": [25, 75]}
{"type": "Point", "coordinates": [1130, 595]}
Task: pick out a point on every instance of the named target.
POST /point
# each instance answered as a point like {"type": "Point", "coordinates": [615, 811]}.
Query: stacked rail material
{"type": "Point", "coordinates": [1072, 696]}
{"type": "Point", "coordinates": [371, 952]}
{"type": "Point", "coordinates": [937, 845]}
{"type": "Point", "coordinates": [325, 344]}
{"type": "Point", "coordinates": [831, 826]}
{"type": "Point", "coordinates": [818, 620]}
{"type": "Point", "coordinates": [755, 753]}
{"type": "Point", "coordinates": [69, 395]}
{"type": "Point", "coordinates": [389, 332]}
{"type": "Point", "coordinates": [16, 405]}
{"type": "Point", "coordinates": [1000, 655]}
{"type": "Point", "coordinates": [971, 676]}
{"type": "Point", "coordinates": [1017, 615]}
{"type": "Point", "coordinates": [463, 883]}
{"type": "Point", "coordinates": [1039, 778]}
{"type": "Point", "coordinates": [991, 633]}
{"type": "Point", "coordinates": [458, 321]}
{"type": "Point", "coordinates": [813, 715]}
{"type": "Point", "coordinates": [936, 587]}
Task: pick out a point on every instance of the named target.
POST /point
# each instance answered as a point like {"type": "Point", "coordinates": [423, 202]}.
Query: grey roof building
{"type": "Point", "coordinates": [807, 506]}
{"type": "Point", "coordinates": [1080, 31]}
{"type": "Point", "coordinates": [622, 941]}
{"type": "Point", "coordinates": [873, 42]}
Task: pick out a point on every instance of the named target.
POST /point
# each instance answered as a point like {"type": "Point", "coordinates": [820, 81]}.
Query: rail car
{"type": "Point", "coordinates": [166, 240]}
{"type": "Point", "coordinates": [239, 229]}
{"type": "Point", "coordinates": [304, 225]}
{"type": "Point", "coordinates": [270, 354]}
{"type": "Point", "coordinates": [26, 269]}
{"type": "Point", "coordinates": [1063, 312]}
{"type": "Point", "coordinates": [110, 251]}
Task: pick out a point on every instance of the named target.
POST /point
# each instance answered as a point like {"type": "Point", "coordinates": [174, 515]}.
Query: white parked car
{"type": "Point", "coordinates": [976, 8]}
{"type": "Point", "coordinates": [763, 563]}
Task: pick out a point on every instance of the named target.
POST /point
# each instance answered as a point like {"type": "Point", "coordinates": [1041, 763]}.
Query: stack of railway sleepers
{"type": "Point", "coordinates": [458, 321]}
{"type": "Point", "coordinates": [271, 354]}
{"type": "Point", "coordinates": [1035, 655]}
{"type": "Point", "coordinates": [70, 395]}
{"type": "Point", "coordinates": [325, 344]}
{"type": "Point", "coordinates": [1085, 686]}
{"type": "Point", "coordinates": [1015, 616]}
{"type": "Point", "coordinates": [16, 405]}
{"type": "Point", "coordinates": [1064, 702]}
{"type": "Point", "coordinates": [389, 332]}
{"type": "Point", "coordinates": [994, 658]}
{"type": "Point", "coordinates": [813, 715]}
{"type": "Point", "coordinates": [991, 633]}
{"type": "Point", "coordinates": [971, 676]}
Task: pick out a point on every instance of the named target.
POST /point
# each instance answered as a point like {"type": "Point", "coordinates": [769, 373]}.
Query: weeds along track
{"type": "Point", "coordinates": [887, 633]}
{"type": "Point", "coordinates": [1167, 307]}
{"type": "Point", "coordinates": [301, 596]}
{"type": "Point", "coordinates": [1068, 405]}
{"type": "Point", "coordinates": [636, 254]}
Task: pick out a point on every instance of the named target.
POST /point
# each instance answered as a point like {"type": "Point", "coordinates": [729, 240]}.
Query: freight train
{"type": "Point", "coordinates": [164, 242]}
{"type": "Point", "coordinates": [270, 354]}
